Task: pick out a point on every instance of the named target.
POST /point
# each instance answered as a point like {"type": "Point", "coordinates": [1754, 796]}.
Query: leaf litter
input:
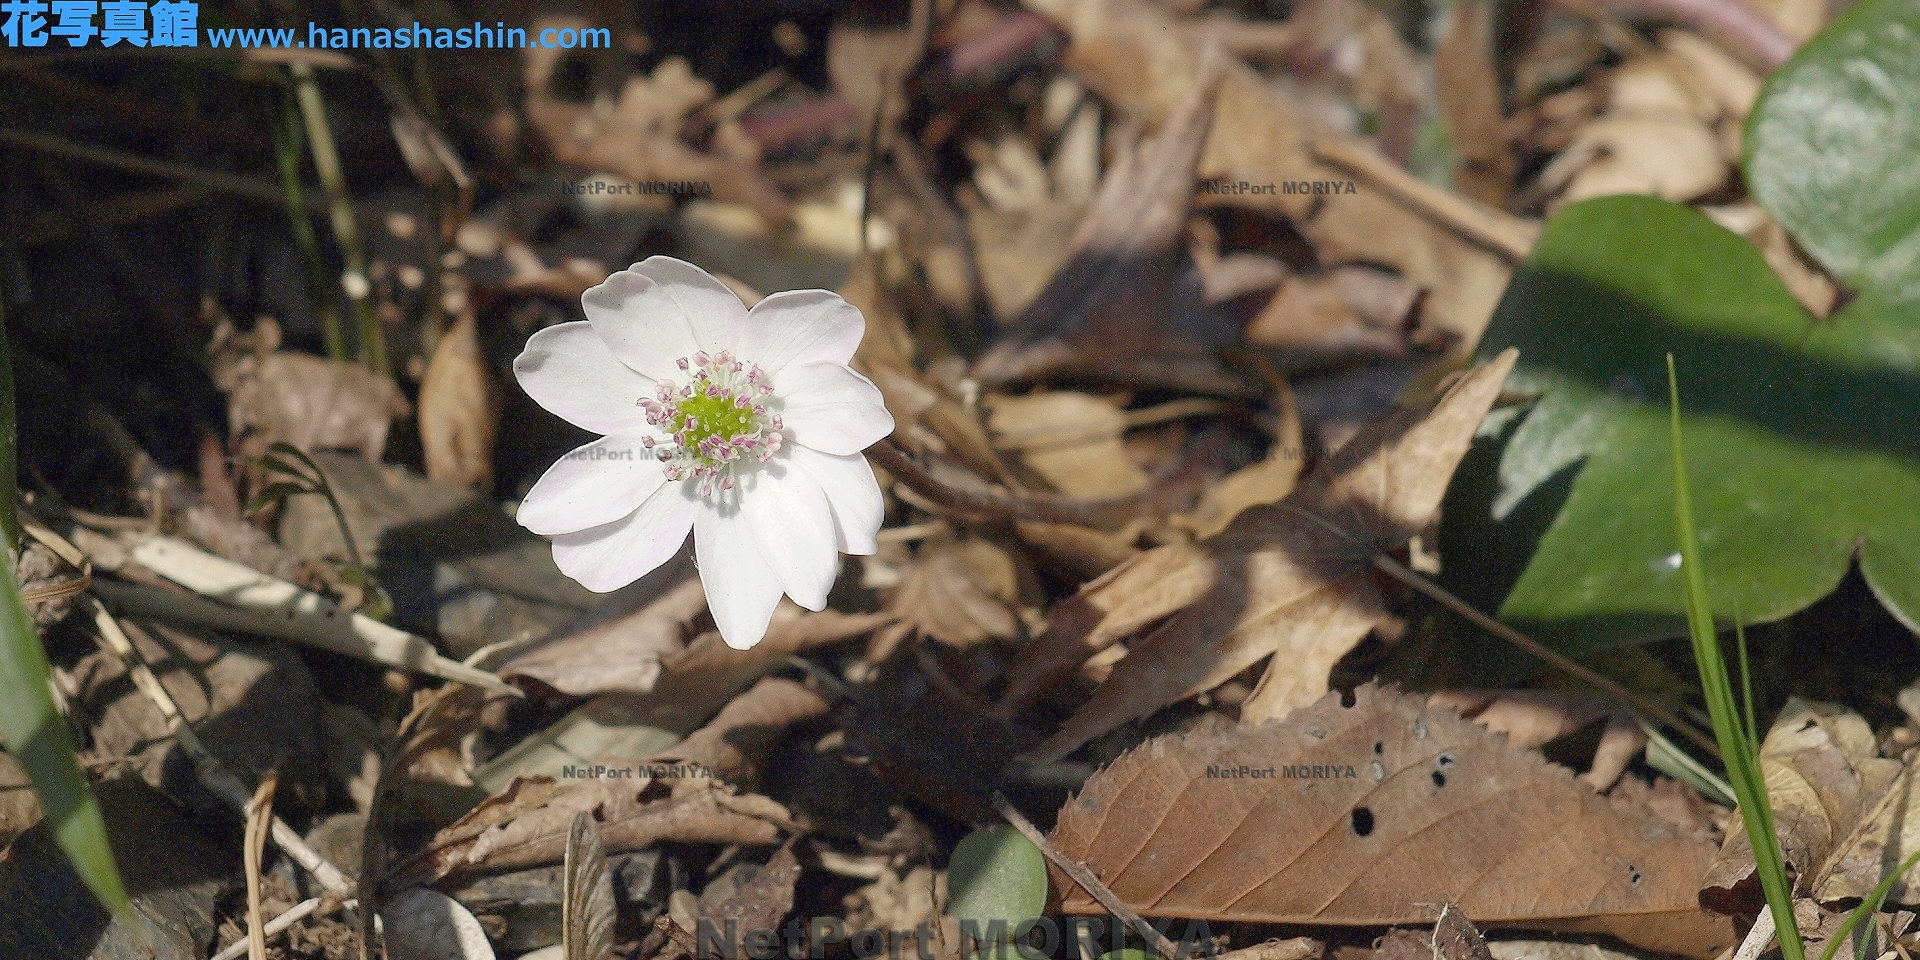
{"type": "Point", "coordinates": [1171, 304]}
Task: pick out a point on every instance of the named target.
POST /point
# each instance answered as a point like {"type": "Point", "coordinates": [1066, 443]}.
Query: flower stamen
{"type": "Point", "coordinates": [715, 421]}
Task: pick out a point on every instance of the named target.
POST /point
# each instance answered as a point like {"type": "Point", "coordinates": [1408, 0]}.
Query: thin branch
{"type": "Point", "coordinates": [1396, 570]}
{"type": "Point", "coordinates": [1052, 509]}
{"type": "Point", "coordinates": [1509, 236]}
{"type": "Point", "coordinates": [212, 772]}
{"type": "Point", "coordinates": [1736, 23]}
{"type": "Point", "coordinates": [1085, 878]}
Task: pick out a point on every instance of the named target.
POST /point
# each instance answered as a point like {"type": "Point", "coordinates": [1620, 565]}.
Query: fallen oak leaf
{"type": "Point", "coordinates": [1388, 806]}
{"type": "Point", "coordinates": [527, 825]}
{"type": "Point", "coordinates": [1291, 580]}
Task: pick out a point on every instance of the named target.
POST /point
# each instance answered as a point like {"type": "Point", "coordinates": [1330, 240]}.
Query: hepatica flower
{"type": "Point", "coordinates": [744, 426]}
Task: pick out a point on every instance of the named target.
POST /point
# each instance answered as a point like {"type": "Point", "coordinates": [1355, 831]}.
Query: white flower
{"type": "Point", "coordinates": [744, 425]}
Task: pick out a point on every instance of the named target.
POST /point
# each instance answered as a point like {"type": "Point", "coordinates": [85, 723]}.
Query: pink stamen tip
{"type": "Point", "coordinates": [682, 362]}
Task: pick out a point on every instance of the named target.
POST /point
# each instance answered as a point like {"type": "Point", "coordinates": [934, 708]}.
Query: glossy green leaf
{"type": "Point", "coordinates": [997, 874]}
{"type": "Point", "coordinates": [1830, 147]}
{"type": "Point", "coordinates": [1801, 435]}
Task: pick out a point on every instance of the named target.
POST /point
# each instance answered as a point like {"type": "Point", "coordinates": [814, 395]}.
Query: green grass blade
{"type": "Point", "coordinates": [30, 727]}
{"type": "Point", "coordinates": [1737, 750]}
{"type": "Point", "coordinates": [1746, 686]}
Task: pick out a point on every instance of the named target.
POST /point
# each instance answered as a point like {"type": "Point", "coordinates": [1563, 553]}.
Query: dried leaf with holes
{"type": "Point", "coordinates": [1534, 718]}
{"type": "Point", "coordinates": [1368, 808]}
{"type": "Point", "coordinates": [1292, 580]}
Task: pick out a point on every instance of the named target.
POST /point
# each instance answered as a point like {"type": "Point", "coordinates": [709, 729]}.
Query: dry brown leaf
{"type": "Point", "coordinates": [867, 65]}
{"type": "Point", "coordinates": [1265, 482]}
{"type": "Point", "coordinates": [1533, 718]}
{"type": "Point", "coordinates": [637, 135]}
{"type": "Point", "coordinates": [1108, 302]}
{"type": "Point", "coordinates": [1292, 580]}
{"type": "Point", "coordinates": [959, 592]}
{"type": "Point", "coordinates": [792, 630]}
{"type": "Point", "coordinates": [1468, 86]}
{"type": "Point", "coordinates": [757, 904]}
{"type": "Point", "coordinates": [1344, 310]}
{"type": "Point", "coordinates": [1151, 586]}
{"type": "Point", "coordinates": [586, 894]}
{"type": "Point", "coordinates": [458, 409]}
{"type": "Point", "coordinates": [1136, 56]}
{"type": "Point", "coordinates": [623, 655]}
{"type": "Point", "coordinates": [527, 824]}
{"type": "Point", "coordinates": [1369, 808]}
{"type": "Point", "coordinates": [735, 744]}
{"type": "Point", "coordinates": [308, 401]}
{"type": "Point", "coordinates": [1083, 552]}
{"type": "Point", "coordinates": [1072, 440]}
{"type": "Point", "coordinates": [1845, 815]}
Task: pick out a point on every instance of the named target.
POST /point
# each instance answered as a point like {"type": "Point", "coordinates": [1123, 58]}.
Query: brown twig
{"type": "Point", "coordinates": [212, 772]}
{"type": "Point", "coordinates": [259, 817]}
{"type": "Point", "coordinates": [1400, 572]}
{"type": "Point", "coordinates": [1085, 878]}
{"type": "Point", "coordinates": [1504, 234]}
{"type": "Point", "coordinates": [1033, 506]}
{"type": "Point", "coordinates": [1738, 24]}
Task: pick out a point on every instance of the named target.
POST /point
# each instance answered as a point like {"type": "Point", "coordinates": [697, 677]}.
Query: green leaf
{"type": "Point", "coordinates": [1800, 434]}
{"type": "Point", "coordinates": [274, 494]}
{"type": "Point", "coordinates": [30, 727]}
{"type": "Point", "coordinates": [997, 874]}
{"type": "Point", "coordinates": [1830, 147]}
{"type": "Point", "coordinates": [1130, 953]}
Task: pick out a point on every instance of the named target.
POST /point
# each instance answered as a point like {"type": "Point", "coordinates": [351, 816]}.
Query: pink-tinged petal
{"type": "Point", "coordinates": [606, 558]}
{"type": "Point", "coordinates": [793, 526]}
{"type": "Point", "coordinates": [741, 589]}
{"type": "Point", "coordinates": [802, 326]}
{"type": "Point", "coordinates": [571, 372]}
{"type": "Point", "coordinates": [655, 312]}
{"type": "Point", "coordinates": [831, 408]}
{"type": "Point", "coordinates": [592, 486]}
{"type": "Point", "coordinates": [852, 492]}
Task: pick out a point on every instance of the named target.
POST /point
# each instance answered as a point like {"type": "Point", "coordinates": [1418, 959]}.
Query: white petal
{"type": "Point", "coordinates": [571, 372]}
{"type": "Point", "coordinates": [802, 326]}
{"type": "Point", "coordinates": [609, 557]}
{"type": "Point", "coordinates": [741, 589]}
{"type": "Point", "coordinates": [592, 486]}
{"type": "Point", "coordinates": [831, 408]}
{"type": "Point", "coordinates": [793, 525]}
{"type": "Point", "coordinates": [852, 492]}
{"type": "Point", "coordinates": [655, 312]}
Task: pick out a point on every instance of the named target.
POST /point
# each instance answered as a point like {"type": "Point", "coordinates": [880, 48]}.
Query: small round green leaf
{"type": "Point", "coordinates": [1130, 953]}
{"type": "Point", "coordinates": [1831, 145]}
{"type": "Point", "coordinates": [997, 874]}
